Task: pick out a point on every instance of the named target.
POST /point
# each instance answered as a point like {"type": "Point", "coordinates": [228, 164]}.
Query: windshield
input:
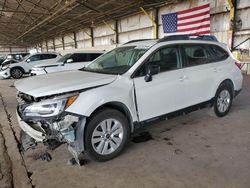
{"type": "Point", "coordinates": [117, 61]}
{"type": "Point", "coordinates": [64, 58]}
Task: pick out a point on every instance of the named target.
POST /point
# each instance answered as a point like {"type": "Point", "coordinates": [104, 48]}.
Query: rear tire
{"type": "Point", "coordinates": [106, 135]}
{"type": "Point", "coordinates": [223, 100]}
{"type": "Point", "coordinates": [16, 73]}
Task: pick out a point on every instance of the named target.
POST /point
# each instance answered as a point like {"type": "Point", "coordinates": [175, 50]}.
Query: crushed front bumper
{"type": "Point", "coordinates": [5, 73]}
{"type": "Point", "coordinates": [39, 136]}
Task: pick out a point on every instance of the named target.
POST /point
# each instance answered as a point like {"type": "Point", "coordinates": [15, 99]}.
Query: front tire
{"type": "Point", "coordinates": [106, 135]}
{"type": "Point", "coordinates": [16, 73]}
{"type": "Point", "coordinates": [223, 100]}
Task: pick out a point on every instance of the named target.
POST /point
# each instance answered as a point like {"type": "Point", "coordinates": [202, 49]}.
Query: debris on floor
{"type": "Point", "coordinates": [142, 137]}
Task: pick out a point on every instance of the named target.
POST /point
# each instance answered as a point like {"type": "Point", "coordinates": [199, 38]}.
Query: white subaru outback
{"type": "Point", "coordinates": [96, 109]}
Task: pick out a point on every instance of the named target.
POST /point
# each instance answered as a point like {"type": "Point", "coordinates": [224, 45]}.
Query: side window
{"type": "Point", "coordinates": [48, 56]}
{"type": "Point", "coordinates": [219, 53]}
{"type": "Point", "coordinates": [167, 58]}
{"type": "Point", "coordinates": [78, 57]}
{"type": "Point", "coordinates": [93, 56]}
{"type": "Point", "coordinates": [52, 56]}
{"type": "Point", "coordinates": [35, 58]}
{"type": "Point", "coordinates": [197, 54]}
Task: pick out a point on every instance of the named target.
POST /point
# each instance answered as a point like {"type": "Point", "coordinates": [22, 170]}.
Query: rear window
{"type": "Point", "coordinates": [94, 56]}
{"type": "Point", "coordinates": [197, 54]}
{"type": "Point", "coordinates": [219, 53]}
{"type": "Point", "coordinates": [82, 57]}
{"type": "Point", "coordinates": [79, 57]}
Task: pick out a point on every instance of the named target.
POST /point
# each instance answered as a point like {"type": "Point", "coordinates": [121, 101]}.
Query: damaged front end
{"type": "Point", "coordinates": [45, 120]}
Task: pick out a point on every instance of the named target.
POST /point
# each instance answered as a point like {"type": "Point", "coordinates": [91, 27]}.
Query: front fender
{"type": "Point", "coordinates": [121, 91]}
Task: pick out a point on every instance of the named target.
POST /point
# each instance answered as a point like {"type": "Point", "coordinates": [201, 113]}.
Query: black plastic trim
{"type": "Point", "coordinates": [143, 124]}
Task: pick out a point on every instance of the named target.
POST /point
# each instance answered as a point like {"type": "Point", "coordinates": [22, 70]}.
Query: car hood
{"type": "Point", "coordinates": [42, 65]}
{"type": "Point", "coordinates": [56, 83]}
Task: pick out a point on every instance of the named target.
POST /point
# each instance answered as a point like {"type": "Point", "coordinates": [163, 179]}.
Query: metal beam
{"type": "Point", "coordinates": [22, 12]}
{"type": "Point", "coordinates": [47, 19]}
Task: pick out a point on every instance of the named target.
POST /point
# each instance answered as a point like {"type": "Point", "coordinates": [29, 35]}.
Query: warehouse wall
{"type": "Point", "coordinates": [13, 49]}
{"type": "Point", "coordinates": [139, 26]}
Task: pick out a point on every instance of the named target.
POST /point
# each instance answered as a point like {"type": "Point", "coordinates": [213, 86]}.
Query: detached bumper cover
{"type": "Point", "coordinates": [37, 135]}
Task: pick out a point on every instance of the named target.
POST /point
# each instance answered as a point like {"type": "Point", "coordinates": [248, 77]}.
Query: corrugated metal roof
{"type": "Point", "coordinates": [27, 22]}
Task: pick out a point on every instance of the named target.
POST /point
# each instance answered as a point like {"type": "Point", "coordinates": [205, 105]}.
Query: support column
{"type": "Point", "coordinates": [92, 37]}
{"type": "Point", "coordinates": [75, 42]}
{"type": "Point", "coordinates": [63, 45]}
{"type": "Point", "coordinates": [54, 45]}
{"type": "Point", "coordinates": [233, 8]}
{"type": "Point", "coordinates": [46, 45]}
{"type": "Point", "coordinates": [116, 32]}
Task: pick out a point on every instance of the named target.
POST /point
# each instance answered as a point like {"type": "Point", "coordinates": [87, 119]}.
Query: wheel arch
{"type": "Point", "coordinates": [226, 81]}
{"type": "Point", "coordinates": [119, 107]}
{"type": "Point", "coordinates": [17, 67]}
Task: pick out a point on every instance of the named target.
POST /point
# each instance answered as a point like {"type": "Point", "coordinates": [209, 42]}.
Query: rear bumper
{"type": "Point", "coordinates": [37, 135]}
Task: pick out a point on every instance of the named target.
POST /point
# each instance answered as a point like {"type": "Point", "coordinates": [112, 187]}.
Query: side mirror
{"type": "Point", "coordinates": [151, 70]}
{"type": "Point", "coordinates": [69, 61]}
{"type": "Point", "coordinates": [28, 60]}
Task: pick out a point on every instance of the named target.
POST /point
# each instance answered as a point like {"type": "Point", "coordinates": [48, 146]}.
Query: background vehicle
{"type": "Point", "coordinates": [16, 70]}
{"type": "Point", "coordinates": [96, 109]}
{"type": "Point", "coordinates": [72, 61]}
{"type": "Point", "coordinates": [17, 56]}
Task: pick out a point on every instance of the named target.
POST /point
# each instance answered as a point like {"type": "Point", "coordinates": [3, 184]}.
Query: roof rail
{"type": "Point", "coordinates": [138, 40]}
{"type": "Point", "coordinates": [189, 37]}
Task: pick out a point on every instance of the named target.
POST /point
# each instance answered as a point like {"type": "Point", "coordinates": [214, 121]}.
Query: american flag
{"type": "Point", "coordinates": [194, 21]}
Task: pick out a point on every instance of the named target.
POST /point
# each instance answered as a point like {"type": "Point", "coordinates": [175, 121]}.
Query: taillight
{"type": "Point", "coordinates": [238, 64]}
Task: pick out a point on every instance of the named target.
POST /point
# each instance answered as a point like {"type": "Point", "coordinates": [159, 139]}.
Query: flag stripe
{"type": "Point", "coordinates": [193, 25]}
{"type": "Point", "coordinates": [194, 15]}
{"type": "Point", "coordinates": [205, 30]}
{"type": "Point", "coordinates": [194, 9]}
{"type": "Point", "coordinates": [202, 32]}
{"type": "Point", "coordinates": [194, 19]}
{"type": "Point", "coordinates": [194, 28]}
{"type": "Point", "coordinates": [193, 22]}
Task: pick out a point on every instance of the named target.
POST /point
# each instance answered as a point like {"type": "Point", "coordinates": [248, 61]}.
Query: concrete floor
{"type": "Point", "coordinates": [194, 150]}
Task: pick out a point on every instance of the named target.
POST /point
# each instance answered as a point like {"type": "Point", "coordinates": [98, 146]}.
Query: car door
{"type": "Point", "coordinates": [31, 62]}
{"type": "Point", "coordinates": [166, 91]}
{"type": "Point", "coordinates": [199, 73]}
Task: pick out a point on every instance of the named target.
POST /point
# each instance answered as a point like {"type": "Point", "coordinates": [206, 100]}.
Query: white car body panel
{"type": "Point", "coordinates": [51, 84]}
{"type": "Point", "coordinates": [167, 92]}
{"type": "Point", "coordinates": [120, 91]}
{"type": "Point", "coordinates": [162, 95]}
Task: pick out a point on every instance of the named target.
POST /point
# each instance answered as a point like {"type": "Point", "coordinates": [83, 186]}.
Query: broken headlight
{"type": "Point", "coordinates": [48, 108]}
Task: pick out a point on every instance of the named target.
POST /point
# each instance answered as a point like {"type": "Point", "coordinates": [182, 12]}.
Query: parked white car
{"type": "Point", "coordinates": [96, 109]}
{"type": "Point", "coordinates": [16, 70]}
{"type": "Point", "coordinates": [71, 61]}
